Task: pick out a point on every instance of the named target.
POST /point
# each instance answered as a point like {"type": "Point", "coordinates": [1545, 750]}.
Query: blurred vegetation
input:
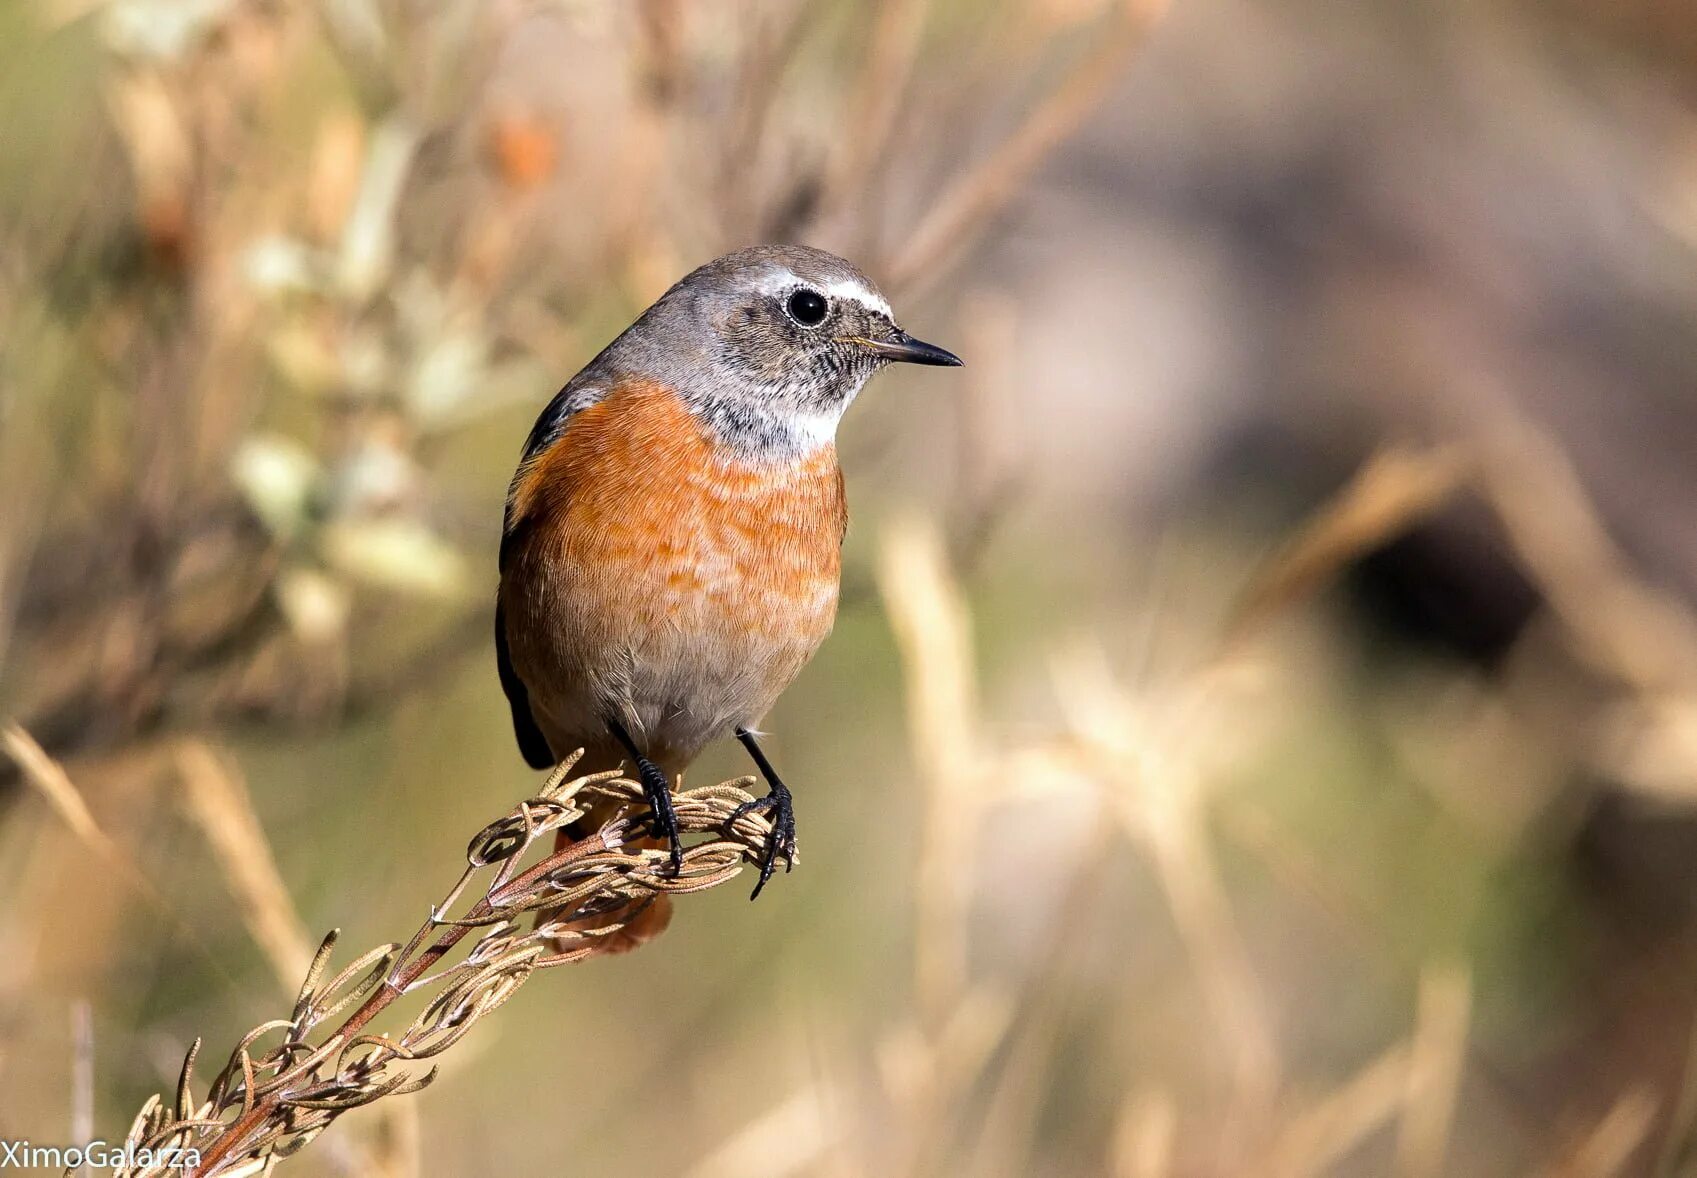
{"type": "Point", "coordinates": [1261, 732]}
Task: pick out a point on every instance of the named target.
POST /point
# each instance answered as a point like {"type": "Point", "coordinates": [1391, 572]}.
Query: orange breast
{"type": "Point", "coordinates": [660, 566]}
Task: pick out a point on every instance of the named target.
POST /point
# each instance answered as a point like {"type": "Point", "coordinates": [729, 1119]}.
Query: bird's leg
{"type": "Point", "coordinates": [657, 792]}
{"type": "Point", "coordinates": [781, 840]}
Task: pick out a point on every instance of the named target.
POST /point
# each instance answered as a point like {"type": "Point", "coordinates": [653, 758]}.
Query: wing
{"type": "Point", "coordinates": [549, 428]}
{"type": "Point", "coordinates": [532, 743]}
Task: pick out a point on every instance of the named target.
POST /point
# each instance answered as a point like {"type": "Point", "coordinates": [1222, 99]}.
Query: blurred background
{"type": "Point", "coordinates": [1260, 735]}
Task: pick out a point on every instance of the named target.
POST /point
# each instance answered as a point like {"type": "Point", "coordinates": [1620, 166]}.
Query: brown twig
{"type": "Point", "coordinates": [859, 157]}
{"type": "Point", "coordinates": [969, 204]}
{"type": "Point", "coordinates": [265, 1105]}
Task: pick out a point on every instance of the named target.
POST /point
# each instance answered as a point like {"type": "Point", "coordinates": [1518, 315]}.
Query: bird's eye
{"type": "Point", "coordinates": [807, 307]}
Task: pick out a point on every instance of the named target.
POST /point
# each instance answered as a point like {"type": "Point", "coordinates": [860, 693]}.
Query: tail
{"type": "Point", "coordinates": [532, 743]}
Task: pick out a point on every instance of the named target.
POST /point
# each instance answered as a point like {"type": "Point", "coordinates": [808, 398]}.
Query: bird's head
{"type": "Point", "coordinates": [771, 344]}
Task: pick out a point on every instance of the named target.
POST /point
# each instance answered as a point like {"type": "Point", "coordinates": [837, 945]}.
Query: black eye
{"type": "Point", "coordinates": [808, 307]}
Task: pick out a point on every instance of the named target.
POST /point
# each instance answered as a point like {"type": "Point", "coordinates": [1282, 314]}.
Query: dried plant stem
{"type": "Point", "coordinates": [856, 166]}
{"type": "Point", "coordinates": [967, 206]}
{"type": "Point", "coordinates": [931, 626]}
{"type": "Point", "coordinates": [1314, 1138]}
{"type": "Point", "coordinates": [1437, 1056]}
{"type": "Point", "coordinates": [1396, 488]}
{"type": "Point", "coordinates": [1151, 759]}
{"type": "Point", "coordinates": [1610, 1146]}
{"type": "Point", "coordinates": [218, 803]}
{"type": "Point", "coordinates": [385, 995]}
{"type": "Point", "coordinates": [1144, 1135]}
{"type": "Point", "coordinates": [49, 779]}
{"type": "Point", "coordinates": [265, 1105]}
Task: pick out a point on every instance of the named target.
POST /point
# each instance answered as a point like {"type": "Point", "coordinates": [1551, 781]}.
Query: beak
{"type": "Point", "coordinates": [904, 348]}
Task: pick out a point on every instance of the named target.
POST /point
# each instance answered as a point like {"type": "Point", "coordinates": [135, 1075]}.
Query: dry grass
{"type": "Point", "coordinates": [289, 1079]}
{"type": "Point", "coordinates": [963, 211]}
{"type": "Point", "coordinates": [329, 276]}
{"type": "Point", "coordinates": [1152, 757]}
{"type": "Point", "coordinates": [350, 243]}
{"type": "Point", "coordinates": [311, 316]}
{"type": "Point", "coordinates": [218, 802]}
{"type": "Point", "coordinates": [967, 1060]}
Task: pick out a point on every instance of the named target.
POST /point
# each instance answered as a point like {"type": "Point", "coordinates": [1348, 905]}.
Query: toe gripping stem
{"type": "Point", "coordinates": [657, 792]}
{"type": "Point", "coordinates": [780, 807]}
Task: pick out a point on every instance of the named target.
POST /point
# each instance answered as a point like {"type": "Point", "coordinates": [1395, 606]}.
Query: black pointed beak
{"type": "Point", "coordinates": [904, 348]}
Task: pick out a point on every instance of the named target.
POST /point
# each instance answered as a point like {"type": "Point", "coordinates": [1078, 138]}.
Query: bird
{"type": "Point", "coordinates": [671, 544]}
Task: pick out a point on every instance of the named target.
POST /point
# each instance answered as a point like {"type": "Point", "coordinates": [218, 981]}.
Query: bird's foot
{"type": "Point", "coordinates": [657, 792]}
{"type": "Point", "coordinates": [780, 840]}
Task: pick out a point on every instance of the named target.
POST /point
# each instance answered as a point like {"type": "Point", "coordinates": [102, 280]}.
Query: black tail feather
{"type": "Point", "coordinates": [532, 743]}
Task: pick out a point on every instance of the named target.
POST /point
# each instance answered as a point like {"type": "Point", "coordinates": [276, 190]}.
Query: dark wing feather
{"type": "Point", "coordinates": [549, 427]}
{"type": "Point", "coordinates": [532, 743]}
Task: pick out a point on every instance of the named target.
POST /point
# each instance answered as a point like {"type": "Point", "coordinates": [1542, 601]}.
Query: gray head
{"type": "Point", "coordinates": [769, 345]}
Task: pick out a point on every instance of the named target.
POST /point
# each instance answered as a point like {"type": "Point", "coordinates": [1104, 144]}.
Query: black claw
{"type": "Point", "coordinates": [780, 840]}
{"type": "Point", "coordinates": [657, 792]}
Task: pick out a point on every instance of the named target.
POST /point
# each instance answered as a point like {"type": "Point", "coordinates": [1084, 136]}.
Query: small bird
{"type": "Point", "coordinates": [671, 551]}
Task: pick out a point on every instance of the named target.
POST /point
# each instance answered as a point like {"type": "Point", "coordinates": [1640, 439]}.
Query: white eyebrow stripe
{"type": "Point", "coordinates": [842, 288]}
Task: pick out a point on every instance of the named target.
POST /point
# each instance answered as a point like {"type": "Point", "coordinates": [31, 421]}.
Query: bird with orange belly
{"type": "Point", "coordinates": [671, 550]}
